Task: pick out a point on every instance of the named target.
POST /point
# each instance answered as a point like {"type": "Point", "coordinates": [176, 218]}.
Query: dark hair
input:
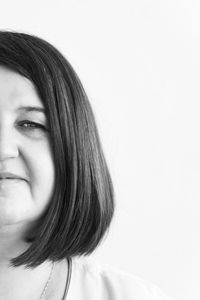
{"type": "Point", "coordinates": [82, 206]}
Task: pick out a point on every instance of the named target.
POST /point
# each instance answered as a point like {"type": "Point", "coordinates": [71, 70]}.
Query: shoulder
{"type": "Point", "coordinates": [91, 280]}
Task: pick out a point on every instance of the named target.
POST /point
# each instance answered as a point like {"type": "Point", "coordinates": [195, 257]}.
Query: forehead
{"type": "Point", "coordinates": [16, 90]}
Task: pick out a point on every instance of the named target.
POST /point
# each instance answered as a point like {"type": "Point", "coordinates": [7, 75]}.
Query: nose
{"type": "Point", "coordinates": [8, 145]}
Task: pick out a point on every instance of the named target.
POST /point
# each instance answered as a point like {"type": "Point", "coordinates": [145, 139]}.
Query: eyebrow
{"type": "Point", "coordinates": [32, 108]}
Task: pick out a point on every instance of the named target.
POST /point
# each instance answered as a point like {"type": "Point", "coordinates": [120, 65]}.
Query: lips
{"type": "Point", "coordinates": [8, 175]}
{"type": "Point", "coordinates": [11, 179]}
{"type": "Point", "coordinates": [8, 185]}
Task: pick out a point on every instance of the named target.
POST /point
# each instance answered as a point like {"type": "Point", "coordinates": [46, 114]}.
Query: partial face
{"type": "Point", "coordinates": [24, 151]}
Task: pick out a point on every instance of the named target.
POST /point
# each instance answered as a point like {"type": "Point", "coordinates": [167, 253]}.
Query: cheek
{"type": "Point", "coordinates": [42, 177]}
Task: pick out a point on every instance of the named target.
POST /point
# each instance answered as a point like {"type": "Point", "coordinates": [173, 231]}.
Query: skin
{"type": "Point", "coordinates": [24, 150]}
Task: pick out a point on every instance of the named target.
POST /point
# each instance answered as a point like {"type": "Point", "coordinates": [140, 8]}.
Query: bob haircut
{"type": "Point", "coordinates": [82, 206]}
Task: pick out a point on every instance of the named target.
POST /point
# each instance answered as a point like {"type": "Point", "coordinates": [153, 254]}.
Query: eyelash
{"type": "Point", "coordinates": [36, 125]}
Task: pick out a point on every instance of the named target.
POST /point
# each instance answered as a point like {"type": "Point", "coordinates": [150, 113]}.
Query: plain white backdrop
{"type": "Point", "coordinates": [140, 64]}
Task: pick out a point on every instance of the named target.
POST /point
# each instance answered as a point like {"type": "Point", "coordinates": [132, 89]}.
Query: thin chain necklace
{"type": "Point", "coordinates": [45, 288]}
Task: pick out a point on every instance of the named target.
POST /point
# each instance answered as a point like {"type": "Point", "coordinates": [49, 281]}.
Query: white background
{"type": "Point", "coordinates": [140, 64]}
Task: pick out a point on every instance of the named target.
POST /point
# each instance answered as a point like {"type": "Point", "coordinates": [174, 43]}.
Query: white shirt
{"type": "Point", "coordinates": [91, 281]}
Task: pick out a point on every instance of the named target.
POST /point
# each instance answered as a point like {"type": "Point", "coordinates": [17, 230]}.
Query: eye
{"type": "Point", "coordinates": [26, 124]}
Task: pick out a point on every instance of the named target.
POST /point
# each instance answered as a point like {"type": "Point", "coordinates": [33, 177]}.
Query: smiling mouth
{"type": "Point", "coordinates": [11, 180]}
{"type": "Point", "coordinates": [8, 186]}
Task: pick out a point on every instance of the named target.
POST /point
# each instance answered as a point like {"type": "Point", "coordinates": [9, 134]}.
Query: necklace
{"type": "Point", "coordinates": [67, 283]}
{"type": "Point", "coordinates": [44, 290]}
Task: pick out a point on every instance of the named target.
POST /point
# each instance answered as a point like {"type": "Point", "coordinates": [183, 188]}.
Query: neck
{"type": "Point", "coordinates": [32, 280]}
{"type": "Point", "coordinates": [12, 279]}
{"type": "Point", "coordinates": [26, 283]}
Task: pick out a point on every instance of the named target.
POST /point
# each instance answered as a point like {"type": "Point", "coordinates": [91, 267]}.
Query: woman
{"type": "Point", "coordinates": [56, 194]}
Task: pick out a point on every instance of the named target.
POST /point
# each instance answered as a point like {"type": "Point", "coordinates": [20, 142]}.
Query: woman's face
{"type": "Point", "coordinates": [24, 151]}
